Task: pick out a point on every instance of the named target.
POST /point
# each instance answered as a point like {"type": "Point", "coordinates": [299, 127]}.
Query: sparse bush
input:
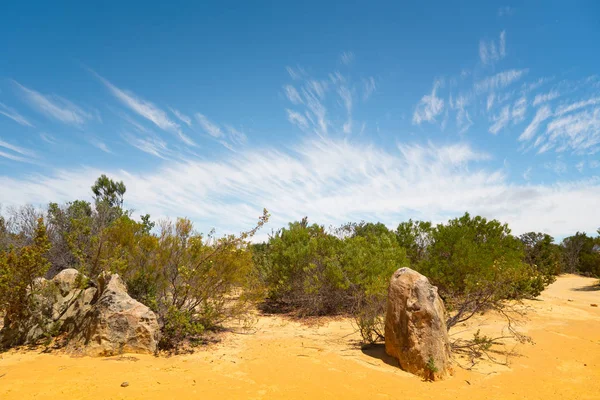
{"type": "Point", "coordinates": [20, 270]}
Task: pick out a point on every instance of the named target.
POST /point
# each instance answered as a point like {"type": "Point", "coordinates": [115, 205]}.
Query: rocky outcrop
{"type": "Point", "coordinates": [415, 326]}
{"type": "Point", "coordinates": [116, 323]}
{"type": "Point", "coordinates": [92, 319]}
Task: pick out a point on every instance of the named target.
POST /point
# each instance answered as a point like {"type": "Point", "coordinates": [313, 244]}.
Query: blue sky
{"type": "Point", "coordinates": [341, 112]}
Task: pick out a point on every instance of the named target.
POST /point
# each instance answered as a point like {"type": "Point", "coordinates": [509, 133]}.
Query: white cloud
{"type": "Point", "coordinates": [235, 135]}
{"type": "Point", "coordinates": [292, 94]}
{"type": "Point", "coordinates": [565, 109]}
{"type": "Point", "coordinates": [505, 11]}
{"type": "Point", "coordinates": [48, 138]}
{"type": "Point", "coordinates": [369, 87]}
{"type": "Point", "coordinates": [580, 166]}
{"type": "Point", "coordinates": [182, 117]}
{"type": "Point", "coordinates": [149, 144]}
{"type": "Point", "coordinates": [295, 73]}
{"type": "Point", "coordinates": [500, 80]}
{"type": "Point", "coordinates": [490, 52]}
{"type": "Point", "coordinates": [346, 97]}
{"type": "Point", "coordinates": [463, 119]}
{"type": "Point", "coordinates": [100, 145]}
{"type": "Point", "coordinates": [542, 114]}
{"type": "Point", "coordinates": [543, 98]}
{"type": "Point", "coordinates": [518, 110]}
{"type": "Point", "coordinates": [501, 120]}
{"type": "Point", "coordinates": [429, 107]}
{"type": "Point", "coordinates": [490, 101]}
{"type": "Point", "coordinates": [297, 119]}
{"type": "Point", "coordinates": [147, 110]}
{"type": "Point", "coordinates": [22, 154]}
{"type": "Point", "coordinates": [14, 115]}
{"type": "Point", "coordinates": [578, 132]}
{"type": "Point", "coordinates": [209, 127]}
{"type": "Point", "coordinates": [347, 57]}
{"type": "Point", "coordinates": [527, 174]}
{"type": "Point", "coordinates": [54, 107]}
{"type": "Point", "coordinates": [358, 182]}
{"type": "Point", "coordinates": [559, 167]}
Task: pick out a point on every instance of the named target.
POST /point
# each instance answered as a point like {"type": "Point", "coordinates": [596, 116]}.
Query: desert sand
{"type": "Point", "coordinates": [283, 358]}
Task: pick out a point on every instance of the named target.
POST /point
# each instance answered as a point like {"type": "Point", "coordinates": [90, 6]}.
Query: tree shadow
{"type": "Point", "coordinates": [592, 288]}
{"type": "Point", "coordinates": [377, 350]}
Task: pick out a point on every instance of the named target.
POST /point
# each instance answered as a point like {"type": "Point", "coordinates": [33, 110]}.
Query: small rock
{"type": "Point", "coordinates": [569, 299]}
{"type": "Point", "coordinates": [124, 384]}
{"type": "Point", "coordinates": [593, 305]}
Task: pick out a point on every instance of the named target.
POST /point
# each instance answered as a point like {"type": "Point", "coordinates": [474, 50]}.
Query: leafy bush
{"type": "Point", "coordinates": [20, 270]}
{"type": "Point", "coordinates": [477, 264]}
{"type": "Point", "coordinates": [302, 271]}
{"type": "Point", "coordinates": [313, 272]}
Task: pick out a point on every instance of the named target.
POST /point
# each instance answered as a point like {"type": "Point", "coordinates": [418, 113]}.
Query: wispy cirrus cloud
{"type": "Point", "coordinates": [499, 80]}
{"type": "Point", "coordinates": [519, 110]}
{"type": "Point", "coordinates": [15, 153]}
{"type": "Point", "coordinates": [292, 94]}
{"type": "Point", "coordinates": [501, 120]}
{"type": "Point", "coordinates": [491, 51]}
{"type": "Point", "coordinates": [321, 102]}
{"type": "Point", "coordinates": [54, 107]}
{"type": "Point", "coordinates": [429, 107]}
{"type": "Point", "coordinates": [545, 97]}
{"type": "Point", "coordinates": [209, 127]}
{"type": "Point", "coordinates": [505, 11]}
{"type": "Point", "coordinates": [48, 138]}
{"type": "Point", "coordinates": [347, 57]}
{"type": "Point", "coordinates": [182, 117]}
{"type": "Point", "coordinates": [369, 87]}
{"type": "Point", "coordinates": [97, 143]}
{"type": "Point", "coordinates": [147, 110]}
{"type": "Point", "coordinates": [358, 182]}
{"type": "Point", "coordinates": [542, 114]}
{"type": "Point", "coordinates": [149, 144]}
{"type": "Point", "coordinates": [14, 115]}
{"type": "Point", "coordinates": [230, 137]}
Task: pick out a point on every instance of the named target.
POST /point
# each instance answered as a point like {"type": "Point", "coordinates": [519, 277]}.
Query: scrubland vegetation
{"type": "Point", "coordinates": [196, 282]}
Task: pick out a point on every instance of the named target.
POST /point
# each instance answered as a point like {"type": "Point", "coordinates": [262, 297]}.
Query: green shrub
{"type": "Point", "coordinates": [20, 270]}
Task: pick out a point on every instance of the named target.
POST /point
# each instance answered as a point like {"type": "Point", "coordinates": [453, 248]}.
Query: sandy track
{"type": "Point", "coordinates": [285, 359]}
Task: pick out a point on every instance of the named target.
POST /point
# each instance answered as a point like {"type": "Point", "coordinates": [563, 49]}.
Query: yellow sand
{"type": "Point", "coordinates": [285, 359]}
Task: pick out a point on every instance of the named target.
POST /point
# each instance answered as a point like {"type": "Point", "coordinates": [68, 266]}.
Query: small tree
{"type": "Point", "coordinates": [542, 255]}
{"type": "Point", "coordinates": [20, 270]}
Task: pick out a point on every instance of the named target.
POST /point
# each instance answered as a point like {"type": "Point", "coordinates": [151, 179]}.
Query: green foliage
{"type": "Point", "coordinates": [302, 270]}
{"type": "Point", "coordinates": [470, 255]}
{"type": "Point", "coordinates": [20, 270]}
{"type": "Point", "coordinates": [313, 272]}
{"type": "Point", "coordinates": [179, 326]}
{"type": "Point", "coordinates": [543, 255]}
{"type": "Point", "coordinates": [477, 264]}
{"type": "Point", "coordinates": [431, 367]}
{"type": "Point", "coordinates": [193, 283]}
{"type": "Point", "coordinates": [108, 192]}
{"type": "Point", "coordinates": [415, 237]}
{"type": "Point", "coordinates": [581, 253]}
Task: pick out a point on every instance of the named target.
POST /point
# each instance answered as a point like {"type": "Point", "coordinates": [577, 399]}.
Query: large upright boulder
{"type": "Point", "coordinates": [116, 323]}
{"type": "Point", "coordinates": [415, 326]}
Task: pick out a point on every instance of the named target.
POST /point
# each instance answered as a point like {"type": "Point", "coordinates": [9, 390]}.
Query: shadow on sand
{"type": "Point", "coordinates": [591, 288]}
{"type": "Point", "coordinates": [378, 351]}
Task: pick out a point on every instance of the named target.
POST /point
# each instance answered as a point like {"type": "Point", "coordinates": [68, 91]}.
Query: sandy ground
{"type": "Point", "coordinates": [285, 359]}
